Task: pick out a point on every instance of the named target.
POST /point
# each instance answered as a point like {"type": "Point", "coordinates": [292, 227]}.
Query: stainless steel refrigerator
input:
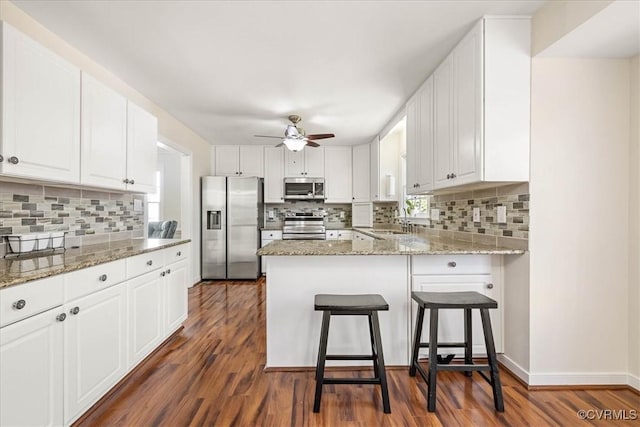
{"type": "Point", "coordinates": [232, 214]}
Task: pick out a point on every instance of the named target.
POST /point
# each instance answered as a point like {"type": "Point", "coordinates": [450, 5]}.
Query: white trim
{"type": "Point", "coordinates": [633, 381]}
{"type": "Point", "coordinates": [516, 369]}
{"type": "Point", "coordinates": [581, 378]}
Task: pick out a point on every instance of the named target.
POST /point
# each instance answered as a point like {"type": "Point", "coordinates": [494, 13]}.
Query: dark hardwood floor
{"type": "Point", "coordinates": [211, 373]}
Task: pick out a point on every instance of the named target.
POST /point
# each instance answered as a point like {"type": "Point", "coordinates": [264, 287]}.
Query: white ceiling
{"type": "Point", "coordinates": [232, 69]}
{"type": "Point", "coordinates": [614, 32]}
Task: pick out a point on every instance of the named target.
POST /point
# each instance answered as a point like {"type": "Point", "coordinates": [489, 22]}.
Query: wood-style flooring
{"type": "Point", "coordinates": [211, 373]}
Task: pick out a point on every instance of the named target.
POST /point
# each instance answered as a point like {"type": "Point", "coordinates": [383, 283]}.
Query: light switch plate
{"type": "Point", "coordinates": [476, 214]}
{"type": "Point", "coordinates": [502, 214]}
{"type": "Point", "coordinates": [341, 214]}
{"type": "Point", "coordinates": [137, 205]}
{"type": "Point", "coordinates": [270, 214]}
{"type": "Point", "coordinates": [435, 214]}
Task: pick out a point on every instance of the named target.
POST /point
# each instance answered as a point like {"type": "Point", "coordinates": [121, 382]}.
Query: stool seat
{"type": "Point", "coordinates": [453, 300]}
{"type": "Point", "coordinates": [361, 302]}
{"type": "Point", "coordinates": [352, 305]}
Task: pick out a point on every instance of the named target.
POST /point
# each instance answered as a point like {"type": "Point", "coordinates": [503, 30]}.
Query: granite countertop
{"type": "Point", "coordinates": [20, 270]}
{"type": "Point", "coordinates": [384, 243]}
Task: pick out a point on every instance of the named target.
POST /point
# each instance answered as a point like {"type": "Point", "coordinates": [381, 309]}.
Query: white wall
{"type": "Point", "coordinates": [634, 225]}
{"type": "Point", "coordinates": [169, 164]}
{"type": "Point", "coordinates": [579, 221]}
{"type": "Point", "coordinates": [169, 127]}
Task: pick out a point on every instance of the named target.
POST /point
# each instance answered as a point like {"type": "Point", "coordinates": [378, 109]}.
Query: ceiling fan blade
{"type": "Point", "coordinates": [320, 136]}
{"type": "Point", "coordinates": [280, 145]}
{"type": "Point", "coordinates": [268, 136]}
{"type": "Point", "coordinates": [313, 144]}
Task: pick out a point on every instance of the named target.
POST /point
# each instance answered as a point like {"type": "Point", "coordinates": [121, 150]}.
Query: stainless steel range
{"type": "Point", "coordinates": [304, 226]}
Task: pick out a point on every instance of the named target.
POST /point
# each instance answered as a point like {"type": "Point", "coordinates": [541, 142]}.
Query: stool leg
{"type": "Point", "coordinates": [468, 340]}
{"type": "Point", "coordinates": [322, 355]}
{"type": "Point", "coordinates": [493, 362]}
{"type": "Point", "coordinates": [381, 369]}
{"type": "Point", "coordinates": [374, 352]}
{"type": "Point", "coordinates": [416, 341]}
{"type": "Point", "coordinates": [433, 359]}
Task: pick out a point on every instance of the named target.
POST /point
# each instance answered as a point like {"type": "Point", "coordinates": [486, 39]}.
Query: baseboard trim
{"type": "Point", "coordinates": [516, 370]}
{"type": "Point", "coordinates": [634, 382]}
{"type": "Point", "coordinates": [579, 379]}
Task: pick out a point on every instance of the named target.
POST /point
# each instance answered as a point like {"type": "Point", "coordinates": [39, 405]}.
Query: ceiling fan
{"type": "Point", "coordinates": [295, 138]}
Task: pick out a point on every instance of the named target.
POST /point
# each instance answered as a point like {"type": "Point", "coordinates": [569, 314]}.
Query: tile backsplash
{"type": "Point", "coordinates": [385, 212]}
{"type": "Point", "coordinates": [337, 215]}
{"type": "Point", "coordinates": [88, 216]}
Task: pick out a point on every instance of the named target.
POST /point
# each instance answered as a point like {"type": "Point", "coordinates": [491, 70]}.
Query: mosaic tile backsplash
{"type": "Point", "coordinates": [88, 216]}
{"type": "Point", "coordinates": [338, 216]}
{"type": "Point", "coordinates": [385, 212]}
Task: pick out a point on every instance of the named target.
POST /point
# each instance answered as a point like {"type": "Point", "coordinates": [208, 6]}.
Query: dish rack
{"type": "Point", "coordinates": [35, 244]}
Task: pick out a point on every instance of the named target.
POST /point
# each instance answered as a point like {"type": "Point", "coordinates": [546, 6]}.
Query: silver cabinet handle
{"type": "Point", "coordinates": [168, 271]}
{"type": "Point", "coordinates": [179, 253]}
{"type": "Point", "coordinates": [150, 263]}
{"type": "Point", "coordinates": [489, 285]}
{"type": "Point", "coordinates": [60, 317]}
{"type": "Point", "coordinates": [103, 278]}
{"type": "Point", "coordinates": [19, 305]}
{"type": "Point", "coordinates": [13, 160]}
{"type": "Point", "coordinates": [131, 181]}
{"type": "Point", "coordinates": [1, 158]}
{"type": "Point", "coordinates": [75, 310]}
{"type": "Point", "coordinates": [164, 273]}
{"type": "Point", "coordinates": [452, 264]}
{"type": "Point", "coordinates": [453, 175]}
{"type": "Point", "coordinates": [239, 173]}
{"type": "Point", "coordinates": [126, 181]}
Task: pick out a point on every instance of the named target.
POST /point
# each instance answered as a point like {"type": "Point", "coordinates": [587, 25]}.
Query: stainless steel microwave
{"type": "Point", "coordinates": [304, 188]}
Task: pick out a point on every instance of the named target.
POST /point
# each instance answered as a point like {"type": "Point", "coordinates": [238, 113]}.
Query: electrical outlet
{"type": "Point", "coordinates": [341, 214]}
{"type": "Point", "coordinates": [502, 214]}
{"type": "Point", "coordinates": [476, 214]}
{"type": "Point", "coordinates": [435, 214]}
{"type": "Point", "coordinates": [270, 214]}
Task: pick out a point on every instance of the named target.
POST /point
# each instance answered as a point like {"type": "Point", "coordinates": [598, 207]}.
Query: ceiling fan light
{"type": "Point", "coordinates": [291, 132]}
{"type": "Point", "coordinates": [294, 144]}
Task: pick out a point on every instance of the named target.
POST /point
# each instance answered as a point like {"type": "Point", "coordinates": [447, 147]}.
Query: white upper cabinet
{"type": "Point", "coordinates": [337, 174]}
{"type": "Point", "coordinates": [481, 109]}
{"type": "Point", "coordinates": [374, 169]}
{"type": "Point", "coordinates": [104, 135]}
{"type": "Point", "coordinates": [413, 154]}
{"type": "Point", "coordinates": [239, 160]}
{"type": "Point", "coordinates": [273, 175]}
{"type": "Point", "coordinates": [361, 173]}
{"type": "Point", "coordinates": [142, 149]}
{"type": "Point", "coordinates": [40, 111]}
{"type": "Point", "coordinates": [419, 112]}
{"type": "Point", "coordinates": [308, 162]}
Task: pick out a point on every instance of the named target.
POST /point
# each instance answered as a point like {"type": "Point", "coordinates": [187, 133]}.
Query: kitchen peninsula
{"type": "Point", "coordinates": [389, 263]}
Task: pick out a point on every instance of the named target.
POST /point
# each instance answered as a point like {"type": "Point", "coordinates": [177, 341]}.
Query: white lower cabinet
{"type": "Point", "coordinates": [479, 273]}
{"type": "Point", "coordinates": [268, 236]}
{"type": "Point", "coordinates": [175, 296]}
{"type": "Point", "coordinates": [145, 315]}
{"type": "Point", "coordinates": [95, 342]}
{"type": "Point", "coordinates": [31, 369]}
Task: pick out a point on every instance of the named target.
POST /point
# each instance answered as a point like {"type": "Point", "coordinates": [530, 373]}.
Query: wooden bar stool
{"type": "Point", "coordinates": [352, 305]}
{"type": "Point", "coordinates": [448, 300]}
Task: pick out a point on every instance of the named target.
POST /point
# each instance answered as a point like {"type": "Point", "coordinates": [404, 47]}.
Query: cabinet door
{"type": "Point", "coordinates": [412, 110]}
{"type": "Point", "coordinates": [374, 170]}
{"type": "Point", "coordinates": [294, 163]}
{"type": "Point", "coordinates": [227, 160]}
{"type": "Point", "coordinates": [451, 322]}
{"type": "Point", "coordinates": [146, 328]}
{"type": "Point", "coordinates": [273, 175]}
{"type": "Point", "coordinates": [104, 135]}
{"type": "Point", "coordinates": [142, 149]}
{"type": "Point", "coordinates": [337, 174]}
{"type": "Point", "coordinates": [467, 83]}
{"type": "Point", "coordinates": [251, 160]}
{"type": "Point", "coordinates": [424, 160]}
{"type": "Point", "coordinates": [175, 296]}
{"type": "Point", "coordinates": [443, 123]}
{"type": "Point", "coordinates": [361, 173]}
{"type": "Point", "coordinates": [31, 370]}
{"type": "Point", "coordinates": [95, 345]}
{"type": "Point", "coordinates": [40, 111]}
{"type": "Point", "coordinates": [314, 162]}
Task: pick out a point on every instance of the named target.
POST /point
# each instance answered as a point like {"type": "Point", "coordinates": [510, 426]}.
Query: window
{"type": "Point", "coordinates": [153, 200]}
{"type": "Point", "coordinates": [416, 206]}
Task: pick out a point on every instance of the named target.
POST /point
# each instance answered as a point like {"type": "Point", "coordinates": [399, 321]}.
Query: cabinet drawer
{"type": "Point", "coordinates": [32, 298]}
{"type": "Point", "coordinates": [451, 264]}
{"type": "Point", "coordinates": [143, 263]}
{"type": "Point", "coordinates": [271, 234]}
{"type": "Point", "coordinates": [88, 280]}
{"type": "Point", "coordinates": [345, 235]}
{"type": "Point", "coordinates": [175, 254]}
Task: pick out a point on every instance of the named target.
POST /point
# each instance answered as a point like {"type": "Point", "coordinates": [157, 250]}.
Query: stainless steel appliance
{"type": "Point", "coordinates": [304, 188]}
{"type": "Point", "coordinates": [232, 214]}
{"type": "Point", "coordinates": [303, 226]}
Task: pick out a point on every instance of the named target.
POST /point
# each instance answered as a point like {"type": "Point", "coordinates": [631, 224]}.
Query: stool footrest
{"type": "Point", "coordinates": [444, 344]}
{"type": "Point", "coordinates": [351, 380]}
{"type": "Point", "coordinates": [463, 367]}
{"type": "Point", "coordinates": [349, 357]}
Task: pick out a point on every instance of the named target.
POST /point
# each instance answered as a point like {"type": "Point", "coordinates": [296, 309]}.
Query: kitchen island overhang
{"type": "Point", "coordinates": [298, 270]}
